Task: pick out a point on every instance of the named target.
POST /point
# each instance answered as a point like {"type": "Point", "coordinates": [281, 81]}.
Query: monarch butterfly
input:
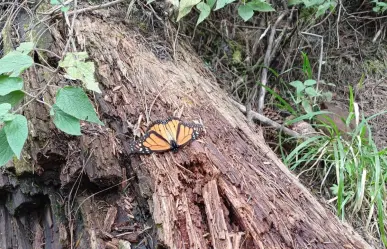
{"type": "Point", "coordinates": [164, 135]}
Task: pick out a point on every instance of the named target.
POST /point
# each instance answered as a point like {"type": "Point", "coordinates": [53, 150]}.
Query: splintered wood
{"type": "Point", "coordinates": [221, 238]}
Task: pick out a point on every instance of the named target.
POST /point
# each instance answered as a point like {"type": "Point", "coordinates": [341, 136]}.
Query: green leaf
{"type": "Point", "coordinates": [211, 3]}
{"type": "Point", "coordinates": [74, 102]}
{"type": "Point", "coordinates": [185, 7]}
{"type": "Point", "coordinates": [25, 47]}
{"type": "Point", "coordinates": [12, 98]}
{"type": "Point", "coordinates": [9, 84]}
{"type": "Point", "coordinates": [294, 2]}
{"type": "Point", "coordinates": [245, 12]}
{"type": "Point", "coordinates": [322, 9]}
{"type": "Point", "coordinates": [4, 108]}
{"type": "Point", "coordinates": [205, 11]}
{"type": "Point", "coordinates": [327, 96]}
{"type": "Point", "coordinates": [71, 59]}
{"type": "Point", "coordinates": [64, 9]}
{"type": "Point", "coordinates": [8, 117]}
{"type": "Point", "coordinates": [65, 122]}
{"type": "Point", "coordinates": [311, 92]}
{"type": "Point", "coordinates": [310, 82]}
{"type": "Point", "coordinates": [15, 62]}
{"type": "Point", "coordinates": [310, 3]}
{"type": "Point", "coordinates": [260, 6]}
{"type": "Point", "coordinates": [221, 3]}
{"type": "Point", "coordinates": [17, 132]}
{"type": "Point", "coordinates": [298, 85]}
{"type": "Point", "coordinates": [54, 2]}
{"type": "Point", "coordinates": [6, 152]}
{"type": "Point", "coordinates": [307, 106]}
{"type": "Point", "coordinates": [77, 68]}
{"type": "Point", "coordinates": [306, 65]}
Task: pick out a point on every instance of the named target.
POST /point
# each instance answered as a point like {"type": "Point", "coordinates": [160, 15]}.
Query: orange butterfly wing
{"type": "Point", "coordinates": [187, 132]}
{"type": "Point", "coordinates": [150, 142]}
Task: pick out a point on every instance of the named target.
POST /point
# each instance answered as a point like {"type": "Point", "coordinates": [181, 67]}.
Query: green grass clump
{"type": "Point", "coordinates": [353, 168]}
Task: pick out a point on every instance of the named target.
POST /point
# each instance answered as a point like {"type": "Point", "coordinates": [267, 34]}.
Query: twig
{"type": "Point", "coordinates": [37, 99]}
{"type": "Point", "coordinates": [337, 26]}
{"type": "Point", "coordinates": [265, 120]}
{"type": "Point", "coordinates": [70, 33]}
{"type": "Point", "coordinates": [321, 55]}
{"type": "Point", "coordinates": [101, 6]}
{"type": "Point", "coordinates": [267, 61]}
{"type": "Point", "coordinates": [36, 96]}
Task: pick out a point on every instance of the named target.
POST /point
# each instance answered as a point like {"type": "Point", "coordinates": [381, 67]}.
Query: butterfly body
{"type": "Point", "coordinates": [165, 135]}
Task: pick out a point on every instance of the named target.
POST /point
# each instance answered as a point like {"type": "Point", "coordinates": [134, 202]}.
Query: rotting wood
{"type": "Point", "coordinates": [267, 202]}
{"type": "Point", "coordinates": [221, 239]}
{"type": "Point", "coordinates": [263, 204]}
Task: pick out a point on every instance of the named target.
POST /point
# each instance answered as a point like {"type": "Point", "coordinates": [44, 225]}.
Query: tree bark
{"type": "Point", "coordinates": [227, 190]}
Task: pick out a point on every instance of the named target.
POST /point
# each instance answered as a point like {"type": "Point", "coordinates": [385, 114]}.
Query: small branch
{"type": "Point", "coordinates": [321, 55]}
{"type": "Point", "coordinates": [267, 121]}
{"type": "Point", "coordinates": [266, 62]}
{"type": "Point", "coordinates": [36, 96]}
{"type": "Point", "coordinates": [101, 6]}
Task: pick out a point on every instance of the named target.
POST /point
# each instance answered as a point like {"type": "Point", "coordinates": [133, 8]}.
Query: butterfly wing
{"type": "Point", "coordinates": [187, 132]}
{"type": "Point", "coordinates": [150, 142]}
{"type": "Point", "coordinates": [167, 129]}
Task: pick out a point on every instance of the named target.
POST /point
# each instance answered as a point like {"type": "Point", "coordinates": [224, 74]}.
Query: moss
{"type": "Point", "coordinates": [22, 166]}
{"type": "Point", "coordinates": [7, 42]}
{"type": "Point", "coordinates": [376, 67]}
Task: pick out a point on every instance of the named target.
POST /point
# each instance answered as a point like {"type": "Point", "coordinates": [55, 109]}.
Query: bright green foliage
{"type": "Point", "coordinates": [260, 5]}
{"type": "Point", "coordinates": [65, 122]}
{"type": "Point", "coordinates": [78, 69]}
{"type": "Point", "coordinates": [321, 6]}
{"type": "Point", "coordinates": [245, 12]}
{"type": "Point", "coordinates": [63, 8]}
{"type": "Point", "coordinates": [4, 108]}
{"type": "Point", "coordinates": [185, 7]}
{"type": "Point", "coordinates": [354, 169]}
{"type": "Point", "coordinates": [380, 6]}
{"type": "Point", "coordinates": [211, 3]}
{"type": "Point", "coordinates": [9, 84]}
{"type": "Point", "coordinates": [306, 91]}
{"type": "Point", "coordinates": [15, 63]}
{"type": "Point", "coordinates": [13, 134]}
{"type": "Point", "coordinates": [74, 102]}
{"type": "Point", "coordinates": [72, 105]}
{"type": "Point", "coordinates": [12, 98]}
{"type": "Point", "coordinates": [205, 10]}
{"type": "Point", "coordinates": [6, 152]}
{"type": "Point", "coordinates": [25, 47]}
{"type": "Point", "coordinates": [306, 67]}
{"type": "Point", "coordinates": [10, 90]}
{"type": "Point", "coordinates": [220, 4]}
{"type": "Point", "coordinates": [16, 131]}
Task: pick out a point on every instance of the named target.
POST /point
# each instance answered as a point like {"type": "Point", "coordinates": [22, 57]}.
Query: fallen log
{"type": "Point", "coordinates": [227, 190]}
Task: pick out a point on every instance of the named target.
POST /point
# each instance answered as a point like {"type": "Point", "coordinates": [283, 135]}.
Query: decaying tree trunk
{"type": "Point", "coordinates": [227, 190]}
